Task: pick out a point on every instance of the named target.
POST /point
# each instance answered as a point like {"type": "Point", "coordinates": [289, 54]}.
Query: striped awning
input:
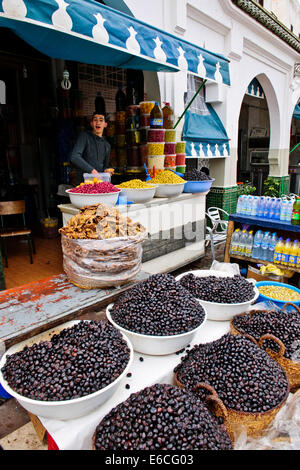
{"type": "Point", "coordinates": [88, 32]}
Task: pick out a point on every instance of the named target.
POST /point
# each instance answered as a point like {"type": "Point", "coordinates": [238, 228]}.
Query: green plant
{"type": "Point", "coordinates": [271, 187]}
{"type": "Point", "coordinates": [245, 189]}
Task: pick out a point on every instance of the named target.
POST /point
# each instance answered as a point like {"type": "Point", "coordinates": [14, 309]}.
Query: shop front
{"type": "Point", "coordinates": [140, 361]}
{"type": "Point", "coordinates": [71, 62]}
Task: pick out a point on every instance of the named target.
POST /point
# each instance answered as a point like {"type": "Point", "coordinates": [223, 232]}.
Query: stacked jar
{"type": "Point", "coordinates": [110, 134]}
{"type": "Point", "coordinates": [121, 139]}
{"type": "Point", "coordinates": [155, 141]}
{"type": "Point", "coordinates": [170, 149]}
{"type": "Point", "coordinates": [145, 110]}
{"type": "Point", "coordinates": [144, 125]}
{"type": "Point", "coordinates": [132, 137]}
{"type": "Point", "coordinates": [155, 147]}
{"type": "Point", "coordinates": [180, 157]}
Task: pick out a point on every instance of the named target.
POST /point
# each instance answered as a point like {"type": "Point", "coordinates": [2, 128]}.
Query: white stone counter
{"type": "Point", "coordinates": [176, 229]}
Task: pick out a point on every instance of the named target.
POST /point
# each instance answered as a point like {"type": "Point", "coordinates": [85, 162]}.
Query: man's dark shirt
{"type": "Point", "coordinates": [90, 152]}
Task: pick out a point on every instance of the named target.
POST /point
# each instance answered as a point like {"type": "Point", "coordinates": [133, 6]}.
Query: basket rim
{"type": "Point", "coordinates": [244, 413]}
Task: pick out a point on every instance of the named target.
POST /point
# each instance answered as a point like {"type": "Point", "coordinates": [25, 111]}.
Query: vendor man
{"type": "Point", "coordinates": [91, 150]}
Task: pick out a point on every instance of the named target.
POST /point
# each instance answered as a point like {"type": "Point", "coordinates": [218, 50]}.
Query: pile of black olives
{"type": "Point", "coordinates": [243, 375]}
{"type": "Point", "coordinates": [76, 362]}
{"type": "Point", "coordinates": [158, 306]}
{"type": "Point", "coordinates": [285, 326]}
{"type": "Point", "coordinates": [161, 417]}
{"type": "Point", "coordinates": [223, 290]}
{"type": "Point", "coordinates": [196, 175]}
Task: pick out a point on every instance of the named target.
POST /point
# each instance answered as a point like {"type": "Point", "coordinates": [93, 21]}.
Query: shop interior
{"type": "Point", "coordinates": [254, 142]}
{"type": "Point", "coordinates": [40, 121]}
{"type": "Point", "coordinates": [294, 161]}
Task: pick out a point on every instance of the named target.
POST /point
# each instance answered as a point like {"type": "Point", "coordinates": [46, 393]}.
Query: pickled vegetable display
{"type": "Point", "coordinates": [157, 161]}
{"type": "Point", "coordinates": [156, 148]}
{"type": "Point", "coordinates": [167, 177]}
{"type": "Point", "coordinates": [135, 184]}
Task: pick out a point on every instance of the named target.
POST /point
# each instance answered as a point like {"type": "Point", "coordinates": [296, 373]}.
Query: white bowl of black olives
{"type": "Point", "coordinates": [64, 373]}
{"type": "Point", "coordinates": [222, 294]}
{"type": "Point", "coordinates": [157, 345]}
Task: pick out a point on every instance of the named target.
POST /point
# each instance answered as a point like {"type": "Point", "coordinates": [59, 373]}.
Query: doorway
{"type": "Point", "coordinates": [254, 138]}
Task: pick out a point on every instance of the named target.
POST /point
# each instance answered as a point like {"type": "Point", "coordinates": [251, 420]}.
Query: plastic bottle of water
{"type": "Point", "coordinates": [239, 205]}
{"type": "Point", "coordinates": [289, 212]}
{"type": "Point", "coordinates": [254, 206]}
{"type": "Point", "coordinates": [272, 208]}
{"type": "Point", "coordinates": [249, 245]}
{"type": "Point", "coordinates": [272, 245]}
{"type": "Point", "coordinates": [249, 205]}
{"type": "Point", "coordinates": [277, 208]}
{"type": "Point", "coordinates": [283, 209]}
{"type": "Point", "coordinates": [265, 246]}
{"type": "Point", "coordinates": [242, 243]}
{"type": "Point", "coordinates": [267, 207]}
{"type": "Point", "coordinates": [257, 244]}
{"type": "Point", "coordinates": [235, 242]}
{"type": "Point", "coordinates": [260, 207]}
{"type": "Point", "coordinates": [244, 205]}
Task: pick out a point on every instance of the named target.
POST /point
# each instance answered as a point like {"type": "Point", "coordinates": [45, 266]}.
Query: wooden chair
{"type": "Point", "coordinates": [17, 208]}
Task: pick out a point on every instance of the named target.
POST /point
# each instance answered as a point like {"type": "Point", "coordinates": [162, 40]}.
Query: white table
{"type": "Point", "coordinates": [77, 434]}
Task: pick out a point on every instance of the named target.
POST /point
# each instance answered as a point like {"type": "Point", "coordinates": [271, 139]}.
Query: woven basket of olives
{"type": "Point", "coordinates": [278, 331]}
{"type": "Point", "coordinates": [248, 384]}
{"type": "Point", "coordinates": [161, 417]}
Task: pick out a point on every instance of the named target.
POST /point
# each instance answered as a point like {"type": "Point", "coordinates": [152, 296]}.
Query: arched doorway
{"type": "Point", "coordinates": [294, 157]}
{"type": "Point", "coordinates": [254, 137]}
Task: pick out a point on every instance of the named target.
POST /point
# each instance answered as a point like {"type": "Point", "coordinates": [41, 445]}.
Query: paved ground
{"type": "Point", "coordinates": [16, 429]}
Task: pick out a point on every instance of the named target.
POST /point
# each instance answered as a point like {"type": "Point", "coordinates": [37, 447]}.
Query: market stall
{"type": "Point", "coordinates": [258, 387]}
{"type": "Point", "coordinates": [175, 226]}
{"type": "Point", "coordinates": [68, 36]}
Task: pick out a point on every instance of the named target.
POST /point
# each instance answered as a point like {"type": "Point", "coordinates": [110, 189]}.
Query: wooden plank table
{"type": "Point", "coordinates": [38, 306]}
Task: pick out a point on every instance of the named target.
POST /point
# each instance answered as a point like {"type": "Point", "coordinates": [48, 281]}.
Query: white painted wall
{"type": "Point", "coordinates": [253, 51]}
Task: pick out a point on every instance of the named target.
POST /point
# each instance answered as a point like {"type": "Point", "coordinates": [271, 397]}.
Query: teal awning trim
{"type": "Point", "coordinates": [205, 135]}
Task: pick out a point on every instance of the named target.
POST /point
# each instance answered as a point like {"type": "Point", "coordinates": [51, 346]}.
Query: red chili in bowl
{"type": "Point", "coordinates": [95, 188]}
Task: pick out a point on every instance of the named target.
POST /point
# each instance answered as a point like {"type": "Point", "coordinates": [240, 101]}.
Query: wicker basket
{"type": "Point", "coordinates": [235, 421]}
{"type": "Point", "coordinates": [291, 368]}
{"type": "Point", "coordinates": [213, 402]}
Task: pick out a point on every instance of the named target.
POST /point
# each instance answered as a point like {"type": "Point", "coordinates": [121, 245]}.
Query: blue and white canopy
{"type": "Point", "coordinates": [203, 130]}
{"type": "Point", "coordinates": [255, 89]}
{"type": "Point", "coordinates": [88, 32]}
{"type": "Point", "coordinates": [205, 135]}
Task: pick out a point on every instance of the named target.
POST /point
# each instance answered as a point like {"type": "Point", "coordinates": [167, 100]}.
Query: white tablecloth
{"type": "Point", "coordinates": [77, 434]}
